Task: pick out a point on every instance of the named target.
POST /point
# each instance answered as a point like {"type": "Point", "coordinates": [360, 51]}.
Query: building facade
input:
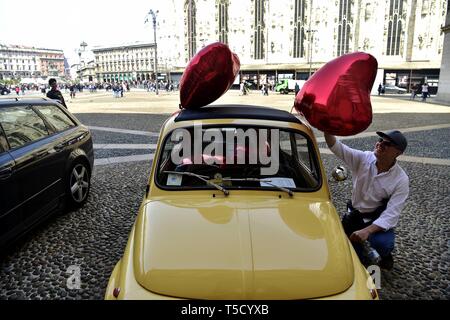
{"type": "Point", "coordinates": [25, 62]}
{"type": "Point", "coordinates": [444, 78]}
{"type": "Point", "coordinates": [134, 62]}
{"type": "Point", "coordinates": [86, 72]}
{"type": "Point", "coordinates": [291, 38]}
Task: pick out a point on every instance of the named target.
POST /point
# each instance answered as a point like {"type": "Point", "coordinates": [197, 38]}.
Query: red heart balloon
{"type": "Point", "coordinates": [336, 99]}
{"type": "Point", "coordinates": [209, 74]}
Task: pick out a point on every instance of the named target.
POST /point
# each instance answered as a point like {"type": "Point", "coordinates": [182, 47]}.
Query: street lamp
{"type": "Point", "coordinates": [311, 37]}
{"type": "Point", "coordinates": [153, 14]}
{"type": "Point", "coordinates": [82, 49]}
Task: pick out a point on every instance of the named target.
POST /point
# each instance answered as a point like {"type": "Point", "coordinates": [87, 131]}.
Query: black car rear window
{"type": "Point", "coordinates": [56, 117]}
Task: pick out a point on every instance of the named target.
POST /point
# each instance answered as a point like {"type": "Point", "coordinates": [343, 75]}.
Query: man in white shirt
{"type": "Point", "coordinates": [378, 183]}
{"type": "Point", "coordinates": [424, 92]}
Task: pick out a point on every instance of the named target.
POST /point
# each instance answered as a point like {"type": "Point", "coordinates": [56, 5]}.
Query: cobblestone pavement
{"type": "Point", "coordinates": [93, 238]}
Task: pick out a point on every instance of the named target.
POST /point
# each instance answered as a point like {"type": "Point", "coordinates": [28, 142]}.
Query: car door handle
{"type": "Point", "coordinates": [5, 173]}
{"type": "Point", "coordinates": [40, 154]}
{"type": "Point", "coordinates": [59, 147]}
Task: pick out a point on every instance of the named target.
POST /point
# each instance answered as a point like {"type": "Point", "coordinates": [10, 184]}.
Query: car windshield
{"type": "Point", "coordinates": [238, 157]}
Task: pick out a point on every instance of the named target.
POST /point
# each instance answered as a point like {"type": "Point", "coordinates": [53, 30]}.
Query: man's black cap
{"type": "Point", "coordinates": [396, 137]}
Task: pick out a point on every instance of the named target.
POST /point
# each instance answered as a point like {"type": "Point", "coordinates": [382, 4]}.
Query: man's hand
{"type": "Point", "coordinates": [363, 234]}
{"type": "Point", "coordinates": [360, 235]}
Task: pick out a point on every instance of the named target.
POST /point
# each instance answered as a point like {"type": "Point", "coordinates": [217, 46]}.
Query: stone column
{"type": "Point", "coordinates": [443, 94]}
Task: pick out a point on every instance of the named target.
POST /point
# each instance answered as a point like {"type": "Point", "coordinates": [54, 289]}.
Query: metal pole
{"type": "Point", "coordinates": [410, 79]}
{"type": "Point", "coordinates": [310, 44]}
{"type": "Point", "coordinates": [310, 53]}
{"type": "Point", "coordinates": [156, 51]}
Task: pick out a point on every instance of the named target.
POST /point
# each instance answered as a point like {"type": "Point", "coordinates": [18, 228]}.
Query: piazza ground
{"type": "Point", "coordinates": [125, 132]}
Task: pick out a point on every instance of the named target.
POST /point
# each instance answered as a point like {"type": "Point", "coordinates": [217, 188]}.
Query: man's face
{"type": "Point", "coordinates": [386, 150]}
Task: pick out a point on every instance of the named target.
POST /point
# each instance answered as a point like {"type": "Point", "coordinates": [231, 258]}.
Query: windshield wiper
{"type": "Point", "coordinates": [203, 178]}
{"type": "Point", "coordinates": [261, 180]}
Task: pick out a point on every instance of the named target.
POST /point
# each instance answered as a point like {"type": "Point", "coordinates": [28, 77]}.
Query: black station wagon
{"type": "Point", "coordinates": [46, 160]}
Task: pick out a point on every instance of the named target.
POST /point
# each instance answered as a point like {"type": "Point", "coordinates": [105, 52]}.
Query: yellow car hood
{"type": "Point", "coordinates": [233, 248]}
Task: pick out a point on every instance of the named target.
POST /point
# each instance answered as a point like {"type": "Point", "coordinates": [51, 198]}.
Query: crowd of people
{"type": "Point", "coordinates": [416, 90]}
{"type": "Point", "coordinates": [118, 88]}
{"type": "Point", "coordinates": [422, 90]}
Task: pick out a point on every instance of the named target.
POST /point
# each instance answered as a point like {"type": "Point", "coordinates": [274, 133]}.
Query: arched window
{"type": "Point", "coordinates": [394, 36]}
{"type": "Point", "coordinates": [344, 26]}
{"type": "Point", "coordinates": [191, 27]}
{"type": "Point", "coordinates": [299, 28]}
{"type": "Point", "coordinates": [259, 30]}
{"type": "Point", "coordinates": [223, 20]}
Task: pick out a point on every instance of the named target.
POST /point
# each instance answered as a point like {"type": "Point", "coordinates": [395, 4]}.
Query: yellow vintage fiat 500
{"type": "Point", "coordinates": [238, 207]}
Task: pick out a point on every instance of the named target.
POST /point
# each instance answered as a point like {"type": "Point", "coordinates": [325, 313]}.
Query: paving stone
{"type": "Point", "coordinates": [94, 237]}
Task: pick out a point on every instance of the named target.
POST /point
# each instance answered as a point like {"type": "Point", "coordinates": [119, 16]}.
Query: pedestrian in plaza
{"type": "Point", "coordinates": [296, 88]}
{"type": "Point", "coordinates": [54, 93]}
{"type": "Point", "coordinates": [242, 88]}
{"type": "Point", "coordinates": [72, 91]}
{"type": "Point", "coordinates": [380, 88]}
{"type": "Point", "coordinates": [414, 90]}
{"type": "Point", "coordinates": [380, 190]}
{"type": "Point", "coordinates": [115, 90]}
{"type": "Point", "coordinates": [424, 92]}
{"type": "Point", "coordinates": [17, 90]}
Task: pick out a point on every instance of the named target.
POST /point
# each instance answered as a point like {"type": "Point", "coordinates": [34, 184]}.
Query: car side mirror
{"type": "Point", "coordinates": [339, 173]}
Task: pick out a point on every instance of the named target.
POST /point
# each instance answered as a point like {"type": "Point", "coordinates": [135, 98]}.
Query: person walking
{"type": "Point", "coordinates": [380, 88]}
{"type": "Point", "coordinates": [72, 91]}
{"type": "Point", "coordinates": [54, 93]}
{"type": "Point", "coordinates": [242, 88]}
{"type": "Point", "coordinates": [296, 88]}
{"type": "Point", "coordinates": [414, 90]}
{"type": "Point", "coordinates": [424, 92]}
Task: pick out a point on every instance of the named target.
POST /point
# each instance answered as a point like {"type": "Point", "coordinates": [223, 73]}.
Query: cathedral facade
{"type": "Point", "coordinates": [291, 38]}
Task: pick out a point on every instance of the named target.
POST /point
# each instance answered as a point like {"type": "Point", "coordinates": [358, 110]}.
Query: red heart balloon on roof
{"type": "Point", "coordinates": [209, 74]}
{"type": "Point", "coordinates": [336, 99]}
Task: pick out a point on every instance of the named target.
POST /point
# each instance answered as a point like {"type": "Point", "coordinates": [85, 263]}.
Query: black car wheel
{"type": "Point", "coordinates": [78, 184]}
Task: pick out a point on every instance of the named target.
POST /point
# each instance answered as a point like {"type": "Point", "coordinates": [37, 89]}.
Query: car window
{"type": "Point", "coordinates": [238, 157]}
{"type": "Point", "coordinates": [56, 117]}
{"type": "Point", "coordinates": [285, 142]}
{"type": "Point", "coordinates": [305, 155]}
{"type": "Point", "coordinates": [22, 125]}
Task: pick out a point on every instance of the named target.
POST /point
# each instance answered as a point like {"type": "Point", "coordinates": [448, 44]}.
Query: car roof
{"type": "Point", "coordinates": [236, 112]}
{"type": "Point", "coordinates": [8, 102]}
